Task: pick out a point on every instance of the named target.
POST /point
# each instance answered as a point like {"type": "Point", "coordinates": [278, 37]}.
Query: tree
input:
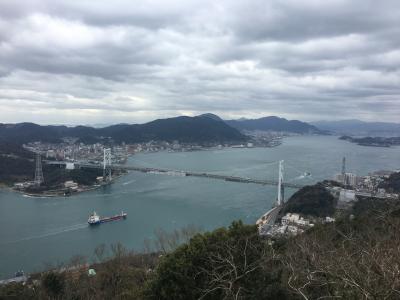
{"type": "Point", "coordinates": [314, 200]}
{"type": "Point", "coordinates": [228, 263]}
{"type": "Point", "coordinates": [352, 259]}
{"type": "Point", "coordinates": [53, 284]}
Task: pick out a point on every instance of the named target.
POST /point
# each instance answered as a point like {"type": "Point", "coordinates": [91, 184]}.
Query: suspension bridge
{"type": "Point", "coordinates": [266, 220]}
{"type": "Point", "coordinates": [193, 174]}
{"type": "Point", "coordinates": [108, 168]}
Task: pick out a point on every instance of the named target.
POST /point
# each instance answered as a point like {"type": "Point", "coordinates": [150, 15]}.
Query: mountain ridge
{"type": "Point", "coordinates": [273, 123]}
{"type": "Point", "coordinates": [199, 129]}
{"type": "Point", "coordinates": [205, 128]}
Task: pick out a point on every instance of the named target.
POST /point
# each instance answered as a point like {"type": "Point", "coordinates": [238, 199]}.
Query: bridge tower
{"type": "Point", "coordinates": [107, 165]}
{"type": "Point", "coordinates": [281, 191]}
{"type": "Point", "coordinates": [39, 179]}
{"type": "Point", "coordinates": [344, 170]}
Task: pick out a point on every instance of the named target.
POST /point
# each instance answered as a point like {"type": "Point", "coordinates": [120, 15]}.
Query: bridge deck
{"type": "Point", "coordinates": [190, 173]}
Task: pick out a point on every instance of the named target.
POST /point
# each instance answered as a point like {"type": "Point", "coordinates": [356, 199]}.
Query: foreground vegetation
{"type": "Point", "coordinates": [356, 257]}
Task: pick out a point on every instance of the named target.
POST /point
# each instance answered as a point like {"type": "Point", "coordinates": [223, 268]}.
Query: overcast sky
{"type": "Point", "coordinates": [88, 62]}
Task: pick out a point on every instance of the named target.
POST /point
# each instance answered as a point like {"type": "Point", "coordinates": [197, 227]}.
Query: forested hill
{"type": "Point", "coordinates": [201, 129]}
{"type": "Point", "coordinates": [313, 200]}
{"type": "Point", "coordinates": [274, 124]}
{"type": "Point", "coordinates": [392, 184]}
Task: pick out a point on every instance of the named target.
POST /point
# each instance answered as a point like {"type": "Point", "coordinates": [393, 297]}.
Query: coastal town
{"type": "Point", "coordinates": [346, 189]}
{"type": "Point", "coordinates": [71, 152]}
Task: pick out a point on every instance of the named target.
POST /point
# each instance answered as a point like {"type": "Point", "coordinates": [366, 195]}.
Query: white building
{"type": "Point", "coordinates": [347, 195]}
{"type": "Point", "coordinates": [69, 166]}
{"type": "Point", "coordinates": [294, 219]}
{"type": "Point", "coordinates": [70, 185]}
{"type": "Point", "coordinates": [290, 218]}
{"type": "Point", "coordinates": [349, 179]}
{"type": "Point", "coordinates": [50, 154]}
{"type": "Point", "coordinates": [329, 220]}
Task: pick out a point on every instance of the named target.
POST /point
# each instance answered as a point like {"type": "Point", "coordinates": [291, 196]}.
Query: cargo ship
{"type": "Point", "coordinates": [95, 219]}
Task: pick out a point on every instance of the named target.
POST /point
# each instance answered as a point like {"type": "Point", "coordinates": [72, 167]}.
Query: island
{"type": "Point", "coordinates": [373, 141]}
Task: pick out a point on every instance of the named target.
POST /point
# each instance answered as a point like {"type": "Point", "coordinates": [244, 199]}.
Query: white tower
{"type": "Point", "coordinates": [281, 196]}
{"type": "Point", "coordinates": [107, 165]}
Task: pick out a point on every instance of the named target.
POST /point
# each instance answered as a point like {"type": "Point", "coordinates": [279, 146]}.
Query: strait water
{"type": "Point", "coordinates": [35, 232]}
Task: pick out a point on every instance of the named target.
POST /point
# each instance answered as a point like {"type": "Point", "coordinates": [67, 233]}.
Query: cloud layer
{"type": "Point", "coordinates": [129, 61]}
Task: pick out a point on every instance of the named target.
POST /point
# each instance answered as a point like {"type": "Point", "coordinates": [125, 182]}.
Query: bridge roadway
{"type": "Point", "coordinates": [187, 173]}
{"type": "Point", "coordinates": [269, 218]}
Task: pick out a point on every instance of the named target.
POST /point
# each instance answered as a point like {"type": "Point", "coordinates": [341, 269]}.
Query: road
{"type": "Point", "coordinates": [269, 217]}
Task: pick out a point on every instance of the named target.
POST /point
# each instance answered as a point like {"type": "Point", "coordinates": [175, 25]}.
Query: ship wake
{"type": "Point", "coordinates": [49, 233]}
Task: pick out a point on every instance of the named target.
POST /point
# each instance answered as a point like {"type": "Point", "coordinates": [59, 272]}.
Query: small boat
{"type": "Point", "coordinates": [19, 273]}
{"type": "Point", "coordinates": [95, 219]}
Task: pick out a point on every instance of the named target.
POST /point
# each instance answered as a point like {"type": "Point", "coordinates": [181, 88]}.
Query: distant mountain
{"type": "Point", "coordinates": [212, 116]}
{"type": "Point", "coordinates": [274, 124]}
{"type": "Point", "coordinates": [360, 128]}
{"type": "Point", "coordinates": [200, 129]}
{"type": "Point", "coordinates": [22, 132]}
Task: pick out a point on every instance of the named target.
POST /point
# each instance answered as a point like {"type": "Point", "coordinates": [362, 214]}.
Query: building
{"type": "Point", "coordinates": [349, 179]}
{"type": "Point", "coordinates": [290, 218]}
{"type": "Point", "coordinates": [23, 185]}
{"type": "Point", "coordinates": [329, 220]}
{"type": "Point", "coordinates": [176, 146]}
{"type": "Point", "coordinates": [338, 178]}
{"type": "Point", "coordinates": [295, 219]}
{"type": "Point", "coordinates": [69, 166]}
{"type": "Point", "coordinates": [347, 196]}
{"type": "Point", "coordinates": [71, 185]}
{"type": "Point", "coordinates": [19, 277]}
{"type": "Point", "coordinates": [50, 153]}
{"type": "Point", "coordinates": [381, 192]}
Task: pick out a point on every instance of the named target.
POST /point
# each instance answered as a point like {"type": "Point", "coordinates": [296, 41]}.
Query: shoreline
{"type": "Point", "coordinates": [204, 201]}
{"type": "Point", "coordinates": [206, 149]}
{"type": "Point", "coordinates": [60, 193]}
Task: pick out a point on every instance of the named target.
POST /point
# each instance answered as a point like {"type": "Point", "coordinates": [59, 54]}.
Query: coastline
{"type": "Point", "coordinates": [61, 193]}
{"type": "Point", "coordinates": [165, 202]}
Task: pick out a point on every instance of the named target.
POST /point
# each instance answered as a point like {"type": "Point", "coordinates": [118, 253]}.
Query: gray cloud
{"type": "Point", "coordinates": [127, 61]}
